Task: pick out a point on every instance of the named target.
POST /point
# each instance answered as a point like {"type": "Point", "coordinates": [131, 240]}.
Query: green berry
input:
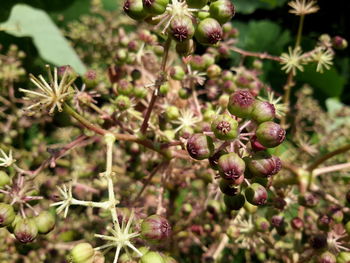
{"type": "Point", "coordinates": [262, 224]}
{"type": "Point", "coordinates": [155, 228]}
{"type": "Point", "coordinates": [234, 202]}
{"type": "Point", "coordinates": [7, 214]}
{"type": "Point", "coordinates": [263, 111]}
{"type": "Point", "coordinates": [172, 113]}
{"type": "Point", "coordinates": [185, 48]}
{"type": "Point", "coordinates": [25, 230]}
{"type": "Point", "coordinates": [213, 71]}
{"type": "Point", "coordinates": [256, 194]}
{"type": "Point", "coordinates": [200, 146]}
{"type": "Point", "coordinates": [225, 127]}
{"type": "Point", "coordinates": [326, 257]}
{"type": "Point", "coordinates": [181, 28]}
{"type": "Point", "coordinates": [229, 187]}
{"type": "Point", "coordinates": [343, 257]}
{"type": "Point", "coordinates": [4, 179]}
{"type": "Point", "coordinates": [82, 253]}
{"type": "Point", "coordinates": [196, 3]}
{"type": "Point", "coordinates": [177, 73]}
{"type": "Point", "coordinates": [231, 166]}
{"type": "Point", "coordinates": [155, 7]}
{"type": "Point", "coordinates": [263, 164]}
{"type": "Point", "coordinates": [122, 102]}
{"type": "Point", "coordinates": [152, 257]}
{"type": "Point", "coordinates": [208, 32]}
{"type": "Point", "coordinates": [241, 104]}
{"type": "Point", "coordinates": [45, 222]}
{"type": "Point", "coordinates": [134, 9]}
{"type": "Point", "coordinates": [270, 134]}
{"type": "Point", "coordinates": [222, 10]}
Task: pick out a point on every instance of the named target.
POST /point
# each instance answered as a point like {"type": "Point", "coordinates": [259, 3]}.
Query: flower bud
{"type": "Point", "coordinates": [263, 164]}
{"type": "Point", "coordinates": [25, 230]}
{"type": "Point", "coordinates": [229, 187]}
{"type": "Point", "coordinates": [222, 10]}
{"type": "Point", "coordinates": [318, 241]}
{"type": "Point", "coordinates": [155, 7]}
{"type": "Point", "coordinates": [261, 224]}
{"type": "Point", "coordinates": [234, 202]}
{"type": "Point", "coordinates": [241, 104]}
{"type": "Point", "coordinates": [181, 28]}
{"type": "Point", "coordinates": [270, 134]}
{"type": "Point", "coordinates": [124, 87]}
{"type": "Point", "coordinates": [177, 73]}
{"type": "Point", "coordinates": [82, 253]}
{"type": "Point", "coordinates": [122, 102]}
{"type": "Point", "coordinates": [184, 93]}
{"type": "Point", "coordinates": [343, 257]}
{"type": "Point", "coordinates": [208, 32]}
{"type": "Point", "coordinates": [200, 146]}
{"type": "Point", "coordinates": [339, 43]}
{"type": "Point", "coordinates": [196, 3]}
{"type": "Point", "coordinates": [45, 222]}
{"type": "Point", "coordinates": [155, 228]}
{"type": "Point", "coordinates": [324, 222]}
{"type": "Point", "coordinates": [185, 48]}
{"type": "Point", "coordinates": [256, 194]}
{"type": "Point", "coordinates": [152, 257]}
{"type": "Point", "coordinates": [229, 86]}
{"type": "Point", "coordinates": [134, 9]}
{"type": "Point", "coordinates": [263, 111]}
{"type": "Point", "coordinates": [172, 112]}
{"type": "Point", "coordinates": [225, 127]}
{"type": "Point", "coordinates": [297, 223]}
{"type": "Point", "coordinates": [197, 63]}
{"type": "Point", "coordinates": [326, 257]}
{"type": "Point", "coordinates": [231, 166]}
{"type": "Point", "coordinates": [4, 179]}
{"type": "Point", "coordinates": [213, 71]}
{"type": "Point", "coordinates": [7, 214]}
{"type": "Point", "coordinates": [308, 200]}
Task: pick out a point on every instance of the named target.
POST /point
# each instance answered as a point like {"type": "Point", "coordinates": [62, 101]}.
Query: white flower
{"type": "Point", "coordinates": [303, 7]}
{"type": "Point", "coordinates": [323, 59]}
{"type": "Point", "coordinates": [292, 60]}
{"type": "Point", "coordinates": [6, 160]}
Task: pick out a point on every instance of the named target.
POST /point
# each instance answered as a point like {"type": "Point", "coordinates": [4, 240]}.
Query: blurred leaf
{"type": "Point", "coordinates": [262, 36]}
{"type": "Point", "coordinates": [52, 46]}
{"type": "Point", "coordinates": [330, 83]}
{"type": "Point", "coordinates": [249, 6]}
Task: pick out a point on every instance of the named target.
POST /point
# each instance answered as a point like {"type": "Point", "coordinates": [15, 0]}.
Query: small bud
{"type": "Point", "coordinates": [184, 93]}
{"type": "Point", "coordinates": [208, 32]}
{"type": "Point", "coordinates": [45, 222]}
{"type": "Point", "coordinates": [213, 71]}
{"type": "Point", "coordinates": [263, 164]}
{"type": "Point", "coordinates": [229, 187]}
{"type": "Point", "coordinates": [231, 166]}
{"type": "Point", "coordinates": [25, 230]}
{"type": "Point", "coordinates": [256, 194]}
{"type": "Point", "coordinates": [200, 146]}
{"type": "Point", "coordinates": [208, 60]}
{"type": "Point", "coordinates": [277, 221]}
{"type": "Point", "coordinates": [326, 257]}
{"type": "Point", "coordinates": [196, 3]}
{"type": "Point", "coordinates": [122, 102]}
{"type": "Point", "coordinates": [124, 87]}
{"type": "Point", "coordinates": [339, 43]}
{"type": "Point", "coordinates": [241, 104]}
{"type": "Point", "coordinates": [181, 28]}
{"type": "Point", "coordinates": [4, 179]}
{"type": "Point", "coordinates": [222, 10]}
{"type": "Point", "coordinates": [152, 257]}
{"type": "Point", "coordinates": [155, 228]}
{"type": "Point", "coordinates": [297, 223]}
{"type": "Point", "coordinates": [324, 222]}
{"type": "Point", "coordinates": [234, 202]}
{"type": "Point", "coordinates": [134, 9]}
{"type": "Point", "coordinates": [177, 73]}
{"type": "Point", "coordinates": [140, 92]}
{"type": "Point", "coordinates": [155, 7]}
{"type": "Point", "coordinates": [270, 134]}
{"type": "Point", "coordinates": [225, 127]}
{"type": "Point", "coordinates": [164, 89]}
{"type": "Point", "coordinates": [229, 86]}
{"type": "Point", "coordinates": [197, 63]}
{"type": "Point", "coordinates": [343, 257]}
{"type": "Point", "coordinates": [172, 112]}
{"type": "Point", "coordinates": [213, 207]}
{"type": "Point", "coordinates": [185, 48]}
{"type": "Point", "coordinates": [7, 214]}
{"type": "Point", "coordinates": [261, 224]}
{"type": "Point", "coordinates": [263, 111]}
{"type": "Point", "coordinates": [308, 200]}
{"type": "Point", "coordinates": [82, 253]}
{"type": "Point", "coordinates": [318, 241]}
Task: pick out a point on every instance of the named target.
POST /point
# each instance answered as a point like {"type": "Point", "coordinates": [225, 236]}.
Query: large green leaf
{"type": "Point", "coordinates": [249, 6]}
{"type": "Point", "coordinates": [26, 21]}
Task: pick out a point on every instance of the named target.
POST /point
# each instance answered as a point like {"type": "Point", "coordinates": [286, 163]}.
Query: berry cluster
{"type": "Point", "coordinates": [242, 160]}
{"type": "Point", "coordinates": [184, 19]}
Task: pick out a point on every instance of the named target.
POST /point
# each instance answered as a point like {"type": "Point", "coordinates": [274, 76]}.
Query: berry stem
{"type": "Point", "coordinates": [255, 54]}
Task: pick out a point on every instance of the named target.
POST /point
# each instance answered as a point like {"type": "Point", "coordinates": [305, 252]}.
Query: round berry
{"type": "Point", "coordinates": [224, 127]}
{"type": "Point", "coordinates": [45, 222]}
{"type": "Point", "coordinates": [231, 166]}
{"type": "Point", "coordinates": [25, 230]}
{"type": "Point", "coordinates": [222, 10]}
{"type": "Point", "coordinates": [82, 253]}
{"type": "Point", "coordinates": [181, 28]}
{"type": "Point", "coordinates": [263, 164]}
{"type": "Point", "coordinates": [234, 202]}
{"type": "Point", "coordinates": [263, 111]}
{"type": "Point", "coordinates": [208, 32]}
{"type": "Point", "coordinates": [241, 104]}
{"type": "Point", "coordinates": [7, 214]}
{"type": "Point", "coordinates": [155, 7]}
{"type": "Point", "coordinates": [270, 134]}
{"type": "Point", "coordinates": [200, 146]}
{"type": "Point", "coordinates": [155, 228]}
{"type": "Point", "coordinates": [134, 9]}
{"type": "Point", "coordinates": [256, 194]}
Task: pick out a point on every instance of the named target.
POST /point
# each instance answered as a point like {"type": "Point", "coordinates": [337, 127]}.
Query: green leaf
{"type": "Point", "coordinates": [25, 21]}
{"type": "Point", "coordinates": [330, 83]}
{"type": "Point", "coordinates": [249, 6]}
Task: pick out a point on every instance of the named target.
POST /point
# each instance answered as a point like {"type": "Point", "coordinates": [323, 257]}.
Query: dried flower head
{"type": "Point", "coordinates": [50, 95]}
{"type": "Point", "coordinates": [303, 7]}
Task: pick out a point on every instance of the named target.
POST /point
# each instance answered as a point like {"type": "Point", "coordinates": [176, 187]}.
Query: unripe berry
{"type": "Point", "coordinates": [197, 63]}
{"type": "Point", "coordinates": [152, 257]}
{"type": "Point", "coordinates": [124, 87]}
{"type": "Point", "coordinates": [208, 32]}
{"type": "Point", "coordinates": [229, 187]}
{"type": "Point", "coordinates": [196, 3]}
{"type": "Point", "coordinates": [134, 9]}
{"type": "Point", "coordinates": [45, 222]}
{"type": "Point", "coordinates": [25, 230]}
{"type": "Point", "coordinates": [270, 134]}
{"type": "Point", "coordinates": [343, 257]}
{"type": "Point", "coordinates": [213, 71]}
{"type": "Point", "coordinates": [213, 160]}
{"type": "Point", "coordinates": [7, 214]}
{"type": "Point", "coordinates": [185, 48]}
{"type": "Point", "coordinates": [225, 127]}
{"type": "Point", "coordinates": [229, 86]}
{"type": "Point", "coordinates": [222, 10]}
{"type": "Point", "coordinates": [326, 257]}
{"type": "Point", "coordinates": [4, 179]}
{"type": "Point", "coordinates": [263, 164]}
{"type": "Point", "coordinates": [256, 194]}
{"type": "Point", "coordinates": [184, 93]}
{"type": "Point", "coordinates": [155, 7]}
{"type": "Point", "coordinates": [261, 224]}
{"type": "Point", "coordinates": [172, 113]}
{"type": "Point", "coordinates": [241, 104]}
{"type": "Point", "coordinates": [82, 253]}
{"type": "Point", "coordinates": [122, 102]}
{"type": "Point", "coordinates": [277, 221]}
{"type": "Point", "coordinates": [263, 111]}
{"type": "Point", "coordinates": [324, 222]}
{"type": "Point", "coordinates": [231, 166]}
{"type": "Point", "coordinates": [155, 228]}
{"type": "Point", "coordinates": [200, 146]}
{"type": "Point", "coordinates": [297, 223]}
{"type": "Point", "coordinates": [308, 200]}
{"type": "Point", "coordinates": [234, 202]}
{"type": "Point", "coordinates": [339, 43]}
{"type": "Point", "coordinates": [318, 241]}
{"type": "Point", "coordinates": [177, 73]}
{"type": "Point", "coordinates": [181, 28]}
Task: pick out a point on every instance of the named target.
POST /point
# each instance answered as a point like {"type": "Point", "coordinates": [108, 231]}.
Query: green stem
{"type": "Point", "coordinates": [300, 31]}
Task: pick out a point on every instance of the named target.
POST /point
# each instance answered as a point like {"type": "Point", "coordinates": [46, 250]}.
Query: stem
{"type": "Point", "coordinates": [300, 30]}
{"type": "Point", "coordinates": [332, 168]}
{"type": "Point", "coordinates": [159, 82]}
{"type": "Point", "coordinates": [255, 54]}
{"type": "Point", "coordinates": [327, 156]}
{"type": "Point", "coordinates": [104, 205]}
